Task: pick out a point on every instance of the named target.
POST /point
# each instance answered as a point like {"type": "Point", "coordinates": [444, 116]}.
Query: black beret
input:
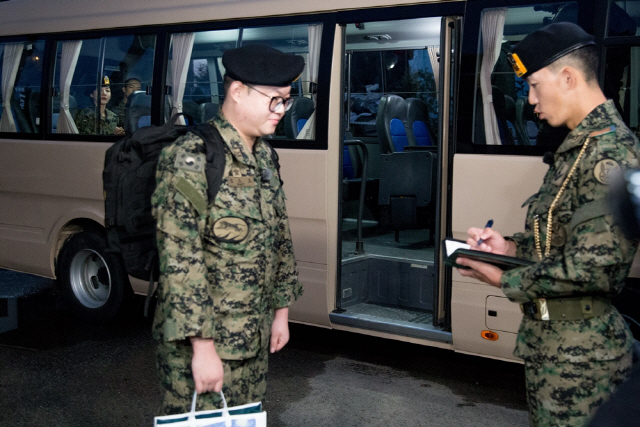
{"type": "Point", "coordinates": [546, 45]}
{"type": "Point", "coordinates": [262, 65]}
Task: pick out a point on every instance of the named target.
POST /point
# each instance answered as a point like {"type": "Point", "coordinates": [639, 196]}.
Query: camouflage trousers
{"type": "Point", "coordinates": [245, 380]}
{"type": "Point", "coordinates": [568, 394]}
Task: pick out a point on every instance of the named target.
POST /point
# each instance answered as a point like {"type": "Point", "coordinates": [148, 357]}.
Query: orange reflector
{"type": "Point", "coordinates": [489, 335]}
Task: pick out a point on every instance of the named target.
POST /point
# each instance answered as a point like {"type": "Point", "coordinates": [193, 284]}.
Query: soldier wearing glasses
{"type": "Point", "coordinates": [228, 274]}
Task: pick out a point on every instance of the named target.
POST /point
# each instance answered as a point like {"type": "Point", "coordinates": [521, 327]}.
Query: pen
{"type": "Point", "coordinates": [489, 225]}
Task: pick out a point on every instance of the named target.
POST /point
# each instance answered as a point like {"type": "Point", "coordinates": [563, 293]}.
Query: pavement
{"type": "Point", "coordinates": [56, 370]}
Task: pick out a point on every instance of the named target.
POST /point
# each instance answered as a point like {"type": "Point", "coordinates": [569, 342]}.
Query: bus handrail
{"type": "Point", "coordinates": [363, 188]}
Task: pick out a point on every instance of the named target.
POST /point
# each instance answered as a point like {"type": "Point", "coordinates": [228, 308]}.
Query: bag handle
{"type": "Point", "coordinates": [225, 410]}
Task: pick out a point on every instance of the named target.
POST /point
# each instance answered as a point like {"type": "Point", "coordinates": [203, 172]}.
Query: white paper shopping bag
{"type": "Point", "coordinates": [249, 415]}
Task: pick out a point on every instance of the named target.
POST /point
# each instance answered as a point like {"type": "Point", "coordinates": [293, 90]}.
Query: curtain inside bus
{"type": "Point", "coordinates": [21, 71]}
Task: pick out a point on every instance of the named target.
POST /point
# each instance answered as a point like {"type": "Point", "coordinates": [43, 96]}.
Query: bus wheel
{"type": "Point", "coordinates": [93, 283]}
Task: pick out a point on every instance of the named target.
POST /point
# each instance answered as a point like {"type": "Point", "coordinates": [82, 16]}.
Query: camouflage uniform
{"type": "Point", "coordinates": [85, 120]}
{"type": "Point", "coordinates": [225, 266]}
{"type": "Point", "coordinates": [571, 367]}
{"type": "Point", "coordinates": [120, 110]}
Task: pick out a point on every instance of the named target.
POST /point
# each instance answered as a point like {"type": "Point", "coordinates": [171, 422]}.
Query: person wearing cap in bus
{"type": "Point", "coordinates": [131, 85]}
{"type": "Point", "coordinates": [575, 345]}
{"type": "Point", "coordinates": [228, 272]}
{"type": "Point", "coordinates": [85, 119]}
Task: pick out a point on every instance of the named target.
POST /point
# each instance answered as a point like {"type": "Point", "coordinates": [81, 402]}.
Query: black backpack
{"type": "Point", "coordinates": [129, 180]}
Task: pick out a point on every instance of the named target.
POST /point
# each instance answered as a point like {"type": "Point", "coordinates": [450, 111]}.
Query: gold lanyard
{"type": "Point", "coordinates": [536, 222]}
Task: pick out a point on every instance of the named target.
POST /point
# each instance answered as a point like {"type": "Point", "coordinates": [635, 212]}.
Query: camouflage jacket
{"type": "Point", "coordinates": [588, 255]}
{"type": "Point", "coordinates": [85, 120]}
{"type": "Point", "coordinates": [225, 264]}
{"type": "Point", "coordinates": [120, 110]}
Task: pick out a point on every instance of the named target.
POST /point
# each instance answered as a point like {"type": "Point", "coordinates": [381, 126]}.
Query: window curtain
{"type": "Point", "coordinates": [10, 65]}
{"type": "Point", "coordinates": [492, 25]}
{"type": "Point", "coordinates": [68, 61]}
{"type": "Point", "coordinates": [435, 64]}
{"type": "Point", "coordinates": [182, 47]}
{"type": "Point", "coordinates": [315, 37]}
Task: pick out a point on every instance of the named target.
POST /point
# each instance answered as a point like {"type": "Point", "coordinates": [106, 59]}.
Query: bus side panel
{"type": "Point", "coordinates": [469, 306]}
{"type": "Point", "coordinates": [488, 187]}
{"type": "Point", "coordinates": [304, 173]}
{"type": "Point", "coordinates": [37, 201]}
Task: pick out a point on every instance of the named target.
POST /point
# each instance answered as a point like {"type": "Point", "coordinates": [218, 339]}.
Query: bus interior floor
{"type": "Point", "coordinates": [412, 244]}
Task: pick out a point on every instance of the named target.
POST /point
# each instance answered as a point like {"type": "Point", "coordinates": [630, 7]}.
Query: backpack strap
{"type": "Point", "coordinates": [214, 149]}
{"type": "Point", "coordinates": [275, 159]}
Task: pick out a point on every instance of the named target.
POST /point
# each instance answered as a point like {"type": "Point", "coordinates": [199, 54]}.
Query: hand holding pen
{"type": "Point", "coordinates": [488, 240]}
{"type": "Point", "coordinates": [489, 225]}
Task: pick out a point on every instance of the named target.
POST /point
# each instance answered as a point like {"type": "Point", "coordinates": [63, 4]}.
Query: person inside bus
{"type": "Point", "coordinates": [575, 345]}
{"type": "Point", "coordinates": [130, 85]}
{"type": "Point", "coordinates": [85, 119]}
{"type": "Point", "coordinates": [227, 270]}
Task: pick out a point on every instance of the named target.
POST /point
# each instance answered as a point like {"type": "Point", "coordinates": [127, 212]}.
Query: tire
{"type": "Point", "coordinates": [93, 283]}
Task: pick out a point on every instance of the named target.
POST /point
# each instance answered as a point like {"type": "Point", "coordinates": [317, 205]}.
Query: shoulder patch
{"type": "Point", "coordinates": [603, 170]}
{"type": "Point", "coordinates": [192, 162]}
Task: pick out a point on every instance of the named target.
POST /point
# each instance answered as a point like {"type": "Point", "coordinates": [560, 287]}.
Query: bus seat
{"type": "Point", "coordinates": [297, 116]}
{"type": "Point", "coordinates": [33, 111]}
{"type": "Point", "coordinates": [54, 122]}
{"type": "Point", "coordinates": [510, 116]}
{"type": "Point", "coordinates": [191, 111]}
{"type": "Point", "coordinates": [407, 182]}
{"type": "Point", "coordinates": [207, 111]}
{"type": "Point", "coordinates": [417, 119]}
{"type": "Point", "coordinates": [20, 116]}
{"type": "Point", "coordinates": [526, 127]}
{"type": "Point", "coordinates": [500, 108]}
{"type": "Point", "coordinates": [139, 106]}
{"type": "Point", "coordinates": [390, 123]}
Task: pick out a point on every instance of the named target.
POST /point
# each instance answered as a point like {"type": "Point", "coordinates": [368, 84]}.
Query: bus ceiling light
{"type": "Point", "coordinates": [489, 335]}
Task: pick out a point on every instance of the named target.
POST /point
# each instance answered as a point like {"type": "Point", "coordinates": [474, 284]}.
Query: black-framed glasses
{"type": "Point", "coordinates": [276, 101]}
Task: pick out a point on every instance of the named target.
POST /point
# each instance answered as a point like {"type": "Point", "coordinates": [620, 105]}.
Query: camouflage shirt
{"type": "Point", "coordinates": [120, 110]}
{"type": "Point", "coordinates": [85, 120]}
{"type": "Point", "coordinates": [225, 265]}
{"type": "Point", "coordinates": [588, 256]}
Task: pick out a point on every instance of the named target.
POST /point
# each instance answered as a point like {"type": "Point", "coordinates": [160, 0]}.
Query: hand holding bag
{"type": "Point", "coordinates": [249, 415]}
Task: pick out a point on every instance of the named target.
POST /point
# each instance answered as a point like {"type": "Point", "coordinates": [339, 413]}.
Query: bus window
{"type": "Point", "coordinates": [107, 78]}
{"type": "Point", "coordinates": [195, 73]}
{"type": "Point", "coordinates": [622, 65]}
{"type": "Point", "coordinates": [375, 71]}
{"type": "Point", "coordinates": [502, 114]}
{"type": "Point", "coordinates": [624, 17]}
{"type": "Point", "coordinates": [22, 62]}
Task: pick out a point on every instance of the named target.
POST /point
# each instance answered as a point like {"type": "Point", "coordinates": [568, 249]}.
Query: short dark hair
{"type": "Point", "coordinates": [584, 59]}
{"type": "Point", "coordinates": [227, 83]}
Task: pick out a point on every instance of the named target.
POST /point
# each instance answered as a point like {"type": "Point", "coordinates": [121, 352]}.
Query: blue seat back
{"type": "Point", "coordinates": [297, 116]}
{"type": "Point", "coordinates": [418, 118]}
{"type": "Point", "coordinates": [138, 111]}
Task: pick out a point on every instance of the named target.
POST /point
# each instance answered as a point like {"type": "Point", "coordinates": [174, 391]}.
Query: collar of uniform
{"type": "Point", "coordinates": [597, 119]}
{"type": "Point", "coordinates": [234, 141]}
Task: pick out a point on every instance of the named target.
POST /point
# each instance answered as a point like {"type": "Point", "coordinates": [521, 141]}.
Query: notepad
{"type": "Point", "coordinates": [457, 248]}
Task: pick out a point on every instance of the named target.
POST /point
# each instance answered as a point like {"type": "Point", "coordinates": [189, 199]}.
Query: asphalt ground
{"type": "Point", "coordinates": [56, 370]}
